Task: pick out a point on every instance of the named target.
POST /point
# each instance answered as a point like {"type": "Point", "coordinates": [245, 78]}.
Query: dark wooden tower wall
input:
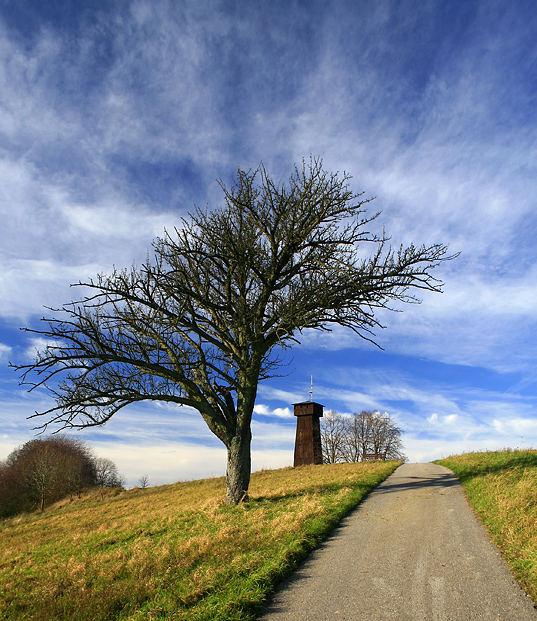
{"type": "Point", "coordinates": [308, 433]}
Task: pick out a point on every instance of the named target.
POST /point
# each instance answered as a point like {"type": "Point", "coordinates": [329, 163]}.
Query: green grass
{"type": "Point", "coordinates": [175, 551]}
{"type": "Point", "coordinates": [502, 489]}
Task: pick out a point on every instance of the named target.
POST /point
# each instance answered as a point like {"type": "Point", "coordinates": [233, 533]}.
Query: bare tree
{"type": "Point", "coordinates": [74, 478]}
{"type": "Point", "coordinates": [106, 474]}
{"type": "Point", "coordinates": [43, 474]}
{"type": "Point", "coordinates": [385, 436]}
{"type": "Point", "coordinates": [199, 323]}
{"type": "Point", "coordinates": [332, 437]}
{"type": "Point", "coordinates": [75, 464]}
{"type": "Point", "coordinates": [357, 436]}
{"type": "Point", "coordinates": [143, 481]}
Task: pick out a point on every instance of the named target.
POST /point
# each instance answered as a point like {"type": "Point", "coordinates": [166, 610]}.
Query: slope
{"type": "Point", "coordinates": [173, 551]}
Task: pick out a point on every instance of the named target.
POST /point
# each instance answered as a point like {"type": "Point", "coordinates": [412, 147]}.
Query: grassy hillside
{"type": "Point", "coordinates": [173, 552]}
{"type": "Point", "coordinates": [502, 489]}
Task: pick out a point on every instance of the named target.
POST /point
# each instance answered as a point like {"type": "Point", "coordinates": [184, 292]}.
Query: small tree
{"type": "Point", "coordinates": [332, 437]}
{"type": "Point", "coordinates": [74, 463]}
{"type": "Point", "coordinates": [106, 474]}
{"type": "Point", "coordinates": [385, 436]}
{"type": "Point", "coordinates": [43, 474]}
{"type": "Point", "coordinates": [143, 481]}
{"type": "Point", "coordinates": [357, 436]}
{"type": "Point", "coordinates": [198, 325]}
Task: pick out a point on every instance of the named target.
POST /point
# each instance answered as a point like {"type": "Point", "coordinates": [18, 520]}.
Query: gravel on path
{"type": "Point", "coordinates": [412, 551]}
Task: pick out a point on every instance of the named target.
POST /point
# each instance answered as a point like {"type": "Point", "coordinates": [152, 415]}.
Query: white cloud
{"type": "Point", "coordinates": [424, 450]}
{"type": "Point", "coordinates": [435, 419]}
{"type": "Point", "coordinates": [164, 462]}
{"type": "Point", "coordinates": [67, 241]}
{"type": "Point", "coordinates": [437, 186]}
{"type": "Point", "coordinates": [272, 435]}
{"type": "Point", "coordinates": [5, 350]}
{"type": "Point", "coordinates": [38, 344]}
{"type": "Point", "coordinates": [69, 206]}
{"type": "Point", "coordinates": [473, 323]}
{"type": "Point", "coordinates": [270, 392]}
{"type": "Point", "coordinates": [516, 426]}
{"type": "Point", "coordinates": [453, 182]}
{"type": "Point", "coordinates": [259, 408]}
{"type": "Point", "coordinates": [283, 412]}
{"type": "Point", "coordinates": [278, 412]}
{"type": "Point", "coordinates": [353, 400]}
{"type": "Point", "coordinates": [117, 221]}
{"type": "Point", "coordinates": [26, 286]}
{"type": "Point", "coordinates": [171, 462]}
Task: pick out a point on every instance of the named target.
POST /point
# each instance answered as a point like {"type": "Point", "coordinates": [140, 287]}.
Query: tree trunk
{"type": "Point", "coordinates": [238, 468]}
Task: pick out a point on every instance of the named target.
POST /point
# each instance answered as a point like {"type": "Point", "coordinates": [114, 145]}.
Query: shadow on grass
{"type": "Point", "coordinates": [303, 491]}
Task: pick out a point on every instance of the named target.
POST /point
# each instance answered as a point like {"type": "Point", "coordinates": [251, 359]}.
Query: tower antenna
{"type": "Point", "coordinates": [311, 388]}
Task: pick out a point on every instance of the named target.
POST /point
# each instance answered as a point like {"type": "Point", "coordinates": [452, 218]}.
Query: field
{"type": "Point", "coordinates": [502, 489]}
{"type": "Point", "coordinates": [175, 551]}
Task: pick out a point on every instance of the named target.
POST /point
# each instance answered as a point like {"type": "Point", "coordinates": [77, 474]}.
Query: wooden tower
{"type": "Point", "coordinates": [308, 433]}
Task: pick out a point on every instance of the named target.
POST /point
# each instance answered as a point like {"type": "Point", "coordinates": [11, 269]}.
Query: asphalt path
{"type": "Point", "coordinates": [413, 550]}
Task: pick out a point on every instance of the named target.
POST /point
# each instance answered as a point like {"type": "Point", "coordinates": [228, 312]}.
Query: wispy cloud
{"type": "Point", "coordinates": [4, 350]}
{"type": "Point", "coordinates": [264, 410]}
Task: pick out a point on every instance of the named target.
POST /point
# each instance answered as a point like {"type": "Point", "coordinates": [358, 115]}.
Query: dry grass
{"type": "Point", "coordinates": [173, 552]}
{"type": "Point", "coordinates": [502, 488]}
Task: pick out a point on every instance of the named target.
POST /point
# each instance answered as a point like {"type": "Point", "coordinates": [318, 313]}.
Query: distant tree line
{"type": "Point", "coordinates": [359, 437]}
{"type": "Point", "coordinates": [43, 471]}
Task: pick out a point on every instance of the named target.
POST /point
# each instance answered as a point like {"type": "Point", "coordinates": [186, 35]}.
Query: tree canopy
{"type": "Point", "coordinates": [44, 470]}
{"type": "Point", "coordinates": [197, 324]}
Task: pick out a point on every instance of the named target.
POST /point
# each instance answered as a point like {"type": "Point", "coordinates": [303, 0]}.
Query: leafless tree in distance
{"type": "Point", "coordinates": [368, 435]}
{"type": "Point", "coordinates": [199, 323]}
{"type": "Point", "coordinates": [107, 474]}
{"type": "Point", "coordinates": [143, 481]}
{"type": "Point", "coordinates": [385, 436]}
{"type": "Point", "coordinates": [332, 437]}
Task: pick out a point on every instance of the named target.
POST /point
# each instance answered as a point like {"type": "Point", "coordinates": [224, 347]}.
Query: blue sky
{"type": "Point", "coordinates": [117, 117]}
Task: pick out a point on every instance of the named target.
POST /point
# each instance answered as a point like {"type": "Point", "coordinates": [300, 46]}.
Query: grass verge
{"type": "Point", "coordinates": [175, 551]}
{"type": "Point", "coordinates": [502, 489]}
